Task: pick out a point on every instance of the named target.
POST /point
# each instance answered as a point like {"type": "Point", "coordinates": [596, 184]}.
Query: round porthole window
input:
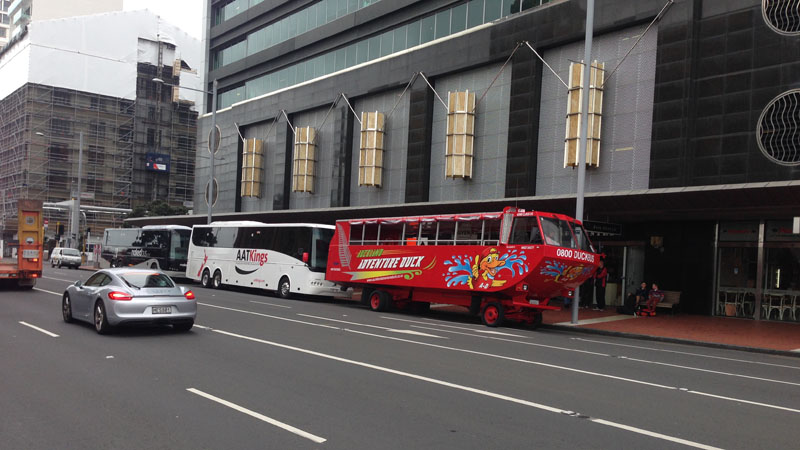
{"type": "Point", "coordinates": [783, 16]}
{"type": "Point", "coordinates": [216, 192]}
{"type": "Point", "coordinates": [778, 129]}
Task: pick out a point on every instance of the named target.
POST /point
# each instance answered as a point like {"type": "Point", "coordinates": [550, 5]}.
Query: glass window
{"type": "Point", "coordinates": [293, 241]}
{"type": "Point", "coordinates": [370, 233]}
{"type": "Point", "coordinates": [474, 13]}
{"type": "Point", "coordinates": [493, 10]}
{"type": "Point", "coordinates": [428, 27]}
{"type": "Point", "coordinates": [331, 6]}
{"type": "Point", "coordinates": [427, 233]}
{"type": "Point", "coordinates": [352, 5]}
{"type": "Point", "coordinates": [557, 232]}
{"type": "Point", "coordinates": [179, 244]}
{"type": "Point", "coordinates": [362, 51]}
{"type": "Point", "coordinates": [312, 17]}
{"type": "Point", "coordinates": [329, 62]}
{"type": "Point", "coordinates": [469, 232]}
{"type": "Point", "coordinates": [446, 233]}
{"type": "Point", "coordinates": [374, 48]}
{"type": "Point", "coordinates": [319, 252]}
{"type": "Point", "coordinates": [147, 279]}
{"type": "Point", "coordinates": [291, 25]}
{"type": "Point", "coordinates": [412, 36]}
{"type": "Point", "coordinates": [356, 234]}
{"type": "Point", "coordinates": [95, 279]}
{"type": "Point", "coordinates": [442, 24]}
{"type": "Point", "coordinates": [399, 39]}
{"type": "Point", "coordinates": [350, 55]}
{"type": "Point", "coordinates": [321, 19]}
{"type": "Point", "coordinates": [584, 243]}
{"type": "Point", "coordinates": [390, 233]}
{"type": "Point", "coordinates": [340, 59]}
{"type": "Point", "coordinates": [342, 8]}
{"type": "Point", "coordinates": [491, 231]}
{"type": "Point", "coordinates": [527, 4]}
{"type": "Point", "coordinates": [459, 18]}
{"type": "Point", "coordinates": [302, 21]}
{"type": "Point", "coordinates": [386, 43]}
{"type": "Point", "coordinates": [525, 230]}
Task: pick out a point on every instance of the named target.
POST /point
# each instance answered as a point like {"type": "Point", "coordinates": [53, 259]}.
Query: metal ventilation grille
{"type": "Point", "coordinates": [778, 129]}
{"type": "Point", "coordinates": [783, 16]}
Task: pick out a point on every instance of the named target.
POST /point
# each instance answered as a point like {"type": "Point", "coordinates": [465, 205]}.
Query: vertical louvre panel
{"type": "Point", "coordinates": [370, 160]}
{"type": "Point", "coordinates": [460, 135]}
{"type": "Point", "coordinates": [574, 103]}
{"type": "Point", "coordinates": [304, 160]}
{"type": "Point", "coordinates": [252, 168]}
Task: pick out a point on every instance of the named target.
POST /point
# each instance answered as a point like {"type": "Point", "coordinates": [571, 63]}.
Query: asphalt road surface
{"type": "Point", "coordinates": [261, 372]}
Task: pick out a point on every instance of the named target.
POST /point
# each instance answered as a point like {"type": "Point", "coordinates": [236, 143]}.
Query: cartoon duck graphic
{"type": "Point", "coordinates": [486, 266]}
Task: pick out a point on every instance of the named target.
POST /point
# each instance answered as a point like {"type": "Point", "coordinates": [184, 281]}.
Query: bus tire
{"type": "Point", "coordinates": [537, 320]}
{"type": "Point", "coordinates": [205, 279]}
{"type": "Point", "coordinates": [216, 282]}
{"type": "Point", "coordinates": [492, 315]}
{"type": "Point", "coordinates": [378, 301]}
{"type": "Point", "coordinates": [284, 288]}
{"type": "Point", "coordinates": [365, 296]}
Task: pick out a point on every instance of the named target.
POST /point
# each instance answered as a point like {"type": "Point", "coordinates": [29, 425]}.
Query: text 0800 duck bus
{"type": "Point", "coordinates": [161, 247]}
{"type": "Point", "coordinates": [502, 265]}
{"type": "Point", "coordinates": [287, 258]}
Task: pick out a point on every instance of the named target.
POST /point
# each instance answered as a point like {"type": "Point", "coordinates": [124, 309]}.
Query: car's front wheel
{"type": "Point", "coordinates": [101, 324]}
{"type": "Point", "coordinates": [66, 308]}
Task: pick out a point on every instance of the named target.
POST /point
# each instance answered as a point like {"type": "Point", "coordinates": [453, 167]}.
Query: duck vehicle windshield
{"type": "Point", "coordinates": [502, 265]}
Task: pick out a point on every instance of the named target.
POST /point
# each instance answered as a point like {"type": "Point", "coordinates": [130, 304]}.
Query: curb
{"type": "Point", "coordinates": [646, 337]}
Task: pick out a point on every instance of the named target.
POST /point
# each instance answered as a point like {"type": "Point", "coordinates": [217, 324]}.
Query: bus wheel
{"type": "Point", "coordinates": [537, 320]}
{"type": "Point", "coordinates": [378, 301]}
{"type": "Point", "coordinates": [217, 281]}
{"type": "Point", "coordinates": [492, 315]}
{"type": "Point", "coordinates": [284, 288]}
{"type": "Point", "coordinates": [205, 280]}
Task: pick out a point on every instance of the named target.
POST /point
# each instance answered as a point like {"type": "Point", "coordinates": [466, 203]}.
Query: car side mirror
{"type": "Point", "coordinates": [79, 284]}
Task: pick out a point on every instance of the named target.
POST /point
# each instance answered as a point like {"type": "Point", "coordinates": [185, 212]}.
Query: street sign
{"type": "Point", "coordinates": [215, 141]}
{"type": "Point", "coordinates": [602, 228]}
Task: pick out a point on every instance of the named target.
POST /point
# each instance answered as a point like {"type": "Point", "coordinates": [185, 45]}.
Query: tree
{"type": "Point", "coordinates": [157, 208]}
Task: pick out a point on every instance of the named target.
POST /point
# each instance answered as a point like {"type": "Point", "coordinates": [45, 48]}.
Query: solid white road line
{"type": "Point", "coordinates": [202, 327]}
{"type": "Point", "coordinates": [393, 330]}
{"type": "Point", "coordinates": [767, 405]}
{"type": "Point", "coordinates": [267, 315]}
{"type": "Point", "coordinates": [482, 392]}
{"type": "Point", "coordinates": [533, 344]}
{"type": "Point", "coordinates": [520, 360]}
{"type": "Point", "coordinates": [710, 371]}
{"type": "Point", "coordinates": [49, 292]}
{"type": "Point", "coordinates": [271, 304]}
{"type": "Point", "coordinates": [652, 434]}
{"type": "Point", "coordinates": [39, 329]}
{"type": "Point", "coordinates": [251, 413]}
{"type": "Point", "coordinates": [700, 355]}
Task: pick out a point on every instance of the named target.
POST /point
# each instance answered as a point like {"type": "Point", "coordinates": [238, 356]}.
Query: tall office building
{"type": "Point", "coordinates": [23, 12]}
{"type": "Point", "coordinates": [693, 164]}
{"type": "Point", "coordinates": [85, 85]}
{"type": "Point", "coordinates": [5, 22]}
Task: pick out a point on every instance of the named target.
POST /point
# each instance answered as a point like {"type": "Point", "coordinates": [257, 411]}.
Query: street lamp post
{"type": "Point", "coordinates": [213, 137]}
{"type": "Point", "coordinates": [587, 64]}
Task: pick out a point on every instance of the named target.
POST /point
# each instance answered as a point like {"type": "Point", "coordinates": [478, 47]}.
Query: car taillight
{"type": "Point", "coordinates": [189, 295]}
{"type": "Point", "coordinates": [116, 295]}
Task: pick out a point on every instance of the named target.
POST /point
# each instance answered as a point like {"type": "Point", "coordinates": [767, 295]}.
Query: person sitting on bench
{"type": "Point", "coordinates": [653, 298]}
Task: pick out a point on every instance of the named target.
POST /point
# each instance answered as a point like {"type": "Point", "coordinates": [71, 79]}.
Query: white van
{"type": "Point", "coordinates": [63, 256]}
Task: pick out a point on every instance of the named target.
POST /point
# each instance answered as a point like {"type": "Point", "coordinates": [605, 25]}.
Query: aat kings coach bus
{"type": "Point", "coordinates": [503, 266]}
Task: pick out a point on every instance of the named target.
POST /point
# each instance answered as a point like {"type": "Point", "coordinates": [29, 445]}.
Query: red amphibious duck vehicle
{"type": "Point", "coordinates": [503, 265]}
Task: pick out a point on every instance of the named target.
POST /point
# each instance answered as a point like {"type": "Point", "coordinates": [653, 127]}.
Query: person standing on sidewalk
{"type": "Point", "coordinates": [600, 279]}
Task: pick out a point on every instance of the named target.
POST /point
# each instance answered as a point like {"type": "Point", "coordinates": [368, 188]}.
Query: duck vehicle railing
{"type": "Point", "coordinates": [501, 265]}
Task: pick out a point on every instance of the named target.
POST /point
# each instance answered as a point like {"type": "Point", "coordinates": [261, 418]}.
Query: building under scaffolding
{"type": "Point", "coordinates": [138, 136]}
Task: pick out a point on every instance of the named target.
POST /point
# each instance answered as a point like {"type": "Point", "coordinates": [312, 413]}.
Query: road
{"type": "Point", "coordinates": [263, 372]}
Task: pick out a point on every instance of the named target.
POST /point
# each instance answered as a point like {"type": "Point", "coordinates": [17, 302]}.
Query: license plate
{"type": "Point", "coordinates": [30, 253]}
{"type": "Point", "coordinates": [533, 302]}
{"type": "Point", "coordinates": [162, 310]}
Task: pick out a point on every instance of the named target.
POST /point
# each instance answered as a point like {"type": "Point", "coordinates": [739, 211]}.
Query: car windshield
{"type": "Point", "coordinates": [70, 252]}
{"type": "Point", "coordinates": [146, 280]}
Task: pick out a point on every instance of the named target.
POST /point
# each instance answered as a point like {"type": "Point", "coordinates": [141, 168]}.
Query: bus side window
{"type": "Point", "coordinates": [491, 231]}
{"type": "Point", "coordinates": [446, 235]}
{"type": "Point", "coordinates": [356, 234]}
{"type": "Point", "coordinates": [370, 234]}
{"type": "Point", "coordinates": [427, 233]}
{"type": "Point", "coordinates": [469, 232]}
{"type": "Point", "coordinates": [390, 233]}
{"type": "Point", "coordinates": [536, 234]}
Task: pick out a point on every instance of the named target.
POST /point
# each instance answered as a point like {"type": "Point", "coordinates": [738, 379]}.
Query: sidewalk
{"type": "Point", "coordinates": [743, 334]}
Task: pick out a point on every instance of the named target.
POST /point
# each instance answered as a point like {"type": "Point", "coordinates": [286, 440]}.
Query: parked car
{"type": "Point", "coordinates": [63, 256]}
{"type": "Point", "coordinates": [118, 296]}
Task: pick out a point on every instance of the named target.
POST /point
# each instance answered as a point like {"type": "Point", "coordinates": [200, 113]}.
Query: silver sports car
{"type": "Point", "coordinates": [118, 296]}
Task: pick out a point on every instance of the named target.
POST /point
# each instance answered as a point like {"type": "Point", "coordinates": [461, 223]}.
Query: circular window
{"type": "Point", "coordinates": [778, 129]}
{"type": "Point", "coordinates": [216, 192]}
{"type": "Point", "coordinates": [783, 16]}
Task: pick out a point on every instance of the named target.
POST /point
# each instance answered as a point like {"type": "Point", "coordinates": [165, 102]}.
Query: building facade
{"type": "Point", "coordinates": [23, 12]}
{"type": "Point", "coordinates": [5, 22]}
{"type": "Point", "coordinates": [694, 182]}
{"type": "Point", "coordinates": [84, 87]}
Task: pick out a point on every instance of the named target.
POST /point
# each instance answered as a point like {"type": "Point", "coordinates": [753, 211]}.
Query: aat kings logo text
{"type": "Point", "coordinates": [252, 256]}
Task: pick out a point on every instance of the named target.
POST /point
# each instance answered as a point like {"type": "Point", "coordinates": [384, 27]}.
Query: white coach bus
{"type": "Point", "coordinates": [289, 258]}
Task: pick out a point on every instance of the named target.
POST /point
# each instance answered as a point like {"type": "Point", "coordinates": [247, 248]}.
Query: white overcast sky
{"type": "Point", "coordinates": [184, 14]}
